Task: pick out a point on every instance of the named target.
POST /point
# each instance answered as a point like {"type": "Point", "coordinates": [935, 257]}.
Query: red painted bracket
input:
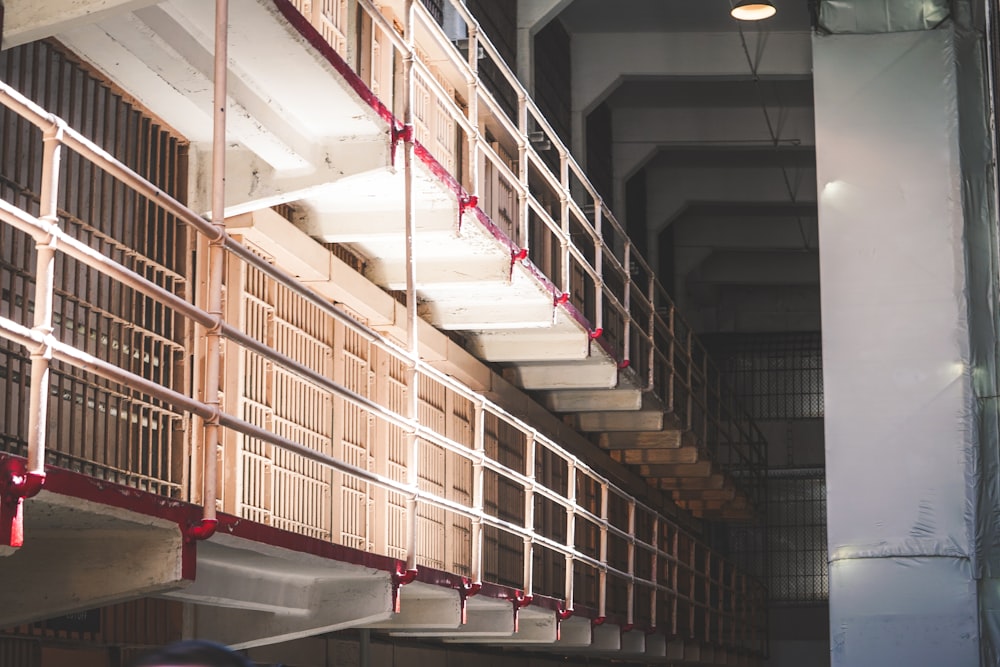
{"type": "Point", "coordinates": [628, 627]}
{"type": "Point", "coordinates": [400, 577]}
{"type": "Point", "coordinates": [625, 363]}
{"type": "Point", "coordinates": [200, 530]}
{"type": "Point", "coordinates": [16, 484]}
{"type": "Point", "coordinates": [596, 333]}
{"type": "Point", "coordinates": [402, 133]}
{"type": "Point", "coordinates": [465, 202]}
{"type": "Point", "coordinates": [467, 590]}
{"type": "Point", "coordinates": [562, 298]}
{"type": "Point", "coordinates": [515, 257]}
{"type": "Point", "coordinates": [599, 620]}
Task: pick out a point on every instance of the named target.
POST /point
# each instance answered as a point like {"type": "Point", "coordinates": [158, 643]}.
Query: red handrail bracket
{"type": "Point", "coordinates": [16, 484]}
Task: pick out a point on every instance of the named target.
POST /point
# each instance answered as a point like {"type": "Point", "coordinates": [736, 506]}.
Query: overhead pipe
{"type": "Point", "coordinates": [216, 264]}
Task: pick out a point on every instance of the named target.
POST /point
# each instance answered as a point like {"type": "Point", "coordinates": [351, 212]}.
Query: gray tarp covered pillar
{"type": "Point", "coordinates": [902, 434]}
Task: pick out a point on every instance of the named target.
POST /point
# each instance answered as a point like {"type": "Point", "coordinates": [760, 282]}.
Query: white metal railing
{"type": "Point", "coordinates": [684, 589]}
{"type": "Point", "coordinates": [561, 223]}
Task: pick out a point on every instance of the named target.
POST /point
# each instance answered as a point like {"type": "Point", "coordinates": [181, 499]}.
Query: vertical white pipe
{"type": "Point", "coordinates": [478, 492]}
{"type": "Point", "coordinates": [602, 592]}
{"type": "Point", "coordinates": [475, 171]}
{"type": "Point", "coordinates": [570, 534]}
{"type": "Point", "coordinates": [44, 297]}
{"type": "Point", "coordinates": [654, 572]}
{"type": "Point", "coordinates": [216, 260]}
{"type": "Point", "coordinates": [631, 561]}
{"type": "Point", "coordinates": [413, 409]}
{"type": "Point", "coordinates": [529, 515]}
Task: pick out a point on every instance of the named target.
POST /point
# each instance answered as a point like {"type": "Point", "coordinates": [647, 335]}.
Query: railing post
{"type": "Point", "coordinates": [602, 595]}
{"type": "Point", "coordinates": [413, 345]}
{"type": "Point", "coordinates": [689, 393]}
{"type": "Point", "coordinates": [651, 373]}
{"type": "Point", "coordinates": [675, 580]}
{"type": "Point", "coordinates": [524, 228]}
{"type": "Point", "coordinates": [564, 242]}
{"type": "Point", "coordinates": [599, 266]}
{"type": "Point", "coordinates": [627, 329]}
{"type": "Point", "coordinates": [478, 491]}
{"type": "Point", "coordinates": [45, 248]}
{"type": "Point", "coordinates": [631, 561]}
{"type": "Point", "coordinates": [709, 607]}
{"type": "Point", "coordinates": [654, 602]}
{"type": "Point", "coordinates": [529, 516]}
{"type": "Point", "coordinates": [570, 534]}
{"type": "Point", "coordinates": [216, 268]}
{"type": "Point", "coordinates": [475, 173]}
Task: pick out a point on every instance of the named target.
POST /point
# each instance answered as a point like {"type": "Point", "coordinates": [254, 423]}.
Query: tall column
{"type": "Point", "coordinates": [901, 416]}
{"type": "Point", "coordinates": [532, 16]}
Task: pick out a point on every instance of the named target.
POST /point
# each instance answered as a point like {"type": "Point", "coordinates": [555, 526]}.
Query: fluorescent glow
{"type": "Point", "coordinates": [753, 11]}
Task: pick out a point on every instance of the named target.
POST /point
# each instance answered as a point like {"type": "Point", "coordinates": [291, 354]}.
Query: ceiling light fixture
{"type": "Point", "coordinates": [753, 10]}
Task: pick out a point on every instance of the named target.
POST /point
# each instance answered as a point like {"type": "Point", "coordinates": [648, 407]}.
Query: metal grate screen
{"type": "Point", "coordinates": [797, 548]}
{"type": "Point", "coordinates": [774, 375]}
{"type": "Point", "coordinates": [96, 427]}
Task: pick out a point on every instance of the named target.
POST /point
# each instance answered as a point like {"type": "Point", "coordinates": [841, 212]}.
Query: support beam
{"type": "Point", "coordinates": [82, 555]}
{"type": "Point", "coordinates": [667, 439]}
{"type": "Point", "coordinates": [633, 641]}
{"type": "Point", "coordinates": [574, 632]}
{"type": "Point", "coordinates": [493, 621]}
{"type": "Point", "coordinates": [535, 353]}
{"type": "Point", "coordinates": [644, 420]}
{"type": "Point", "coordinates": [334, 604]}
{"type": "Point", "coordinates": [623, 399]}
{"type": "Point", "coordinates": [716, 481]}
{"type": "Point", "coordinates": [539, 628]}
{"type": "Point", "coordinates": [226, 584]}
{"type": "Point", "coordinates": [424, 608]}
{"type": "Point", "coordinates": [607, 637]}
{"type": "Point", "coordinates": [682, 470]}
{"type": "Point", "coordinates": [680, 455]}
